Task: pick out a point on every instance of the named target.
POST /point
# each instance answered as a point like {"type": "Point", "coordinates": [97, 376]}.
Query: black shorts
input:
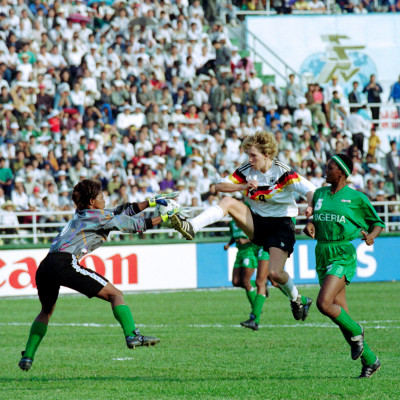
{"type": "Point", "coordinates": [63, 269]}
{"type": "Point", "coordinates": [274, 232]}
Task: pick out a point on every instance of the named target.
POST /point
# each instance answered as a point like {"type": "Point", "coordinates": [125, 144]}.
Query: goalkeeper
{"type": "Point", "coordinates": [248, 258]}
{"type": "Point", "coordinates": [88, 229]}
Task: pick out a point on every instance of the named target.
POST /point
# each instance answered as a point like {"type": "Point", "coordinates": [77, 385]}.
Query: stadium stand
{"type": "Point", "coordinates": [153, 95]}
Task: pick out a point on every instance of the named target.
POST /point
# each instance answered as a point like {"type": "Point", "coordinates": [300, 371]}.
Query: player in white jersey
{"type": "Point", "coordinates": [268, 187]}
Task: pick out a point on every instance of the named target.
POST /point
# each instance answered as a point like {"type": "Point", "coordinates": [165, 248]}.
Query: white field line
{"type": "Point", "coordinates": [368, 324]}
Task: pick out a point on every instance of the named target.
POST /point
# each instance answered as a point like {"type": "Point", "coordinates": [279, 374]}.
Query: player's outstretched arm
{"type": "Point", "coordinates": [235, 187]}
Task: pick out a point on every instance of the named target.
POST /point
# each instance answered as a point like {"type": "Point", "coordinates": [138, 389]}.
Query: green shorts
{"type": "Point", "coordinates": [260, 253]}
{"type": "Point", "coordinates": [245, 258]}
{"type": "Point", "coordinates": [335, 258]}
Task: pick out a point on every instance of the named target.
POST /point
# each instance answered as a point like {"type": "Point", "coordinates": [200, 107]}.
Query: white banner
{"type": "Point", "coordinates": [128, 267]}
{"type": "Point", "coordinates": [350, 46]}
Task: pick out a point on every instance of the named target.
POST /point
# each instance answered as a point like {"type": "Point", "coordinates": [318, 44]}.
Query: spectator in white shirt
{"type": "Point", "coordinates": [318, 180]}
{"type": "Point", "coordinates": [125, 118]}
{"type": "Point", "coordinates": [143, 143]}
{"type": "Point", "coordinates": [184, 198]}
{"type": "Point", "coordinates": [18, 195]}
{"type": "Point", "coordinates": [56, 59]}
{"type": "Point", "coordinates": [187, 71]}
{"type": "Point", "coordinates": [356, 180]}
{"type": "Point", "coordinates": [302, 112]}
{"type": "Point", "coordinates": [127, 148]}
{"type": "Point", "coordinates": [255, 81]}
{"type": "Point", "coordinates": [78, 98]}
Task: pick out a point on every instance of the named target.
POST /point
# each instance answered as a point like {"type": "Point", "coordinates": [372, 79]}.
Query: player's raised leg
{"type": "Point", "coordinates": [236, 209]}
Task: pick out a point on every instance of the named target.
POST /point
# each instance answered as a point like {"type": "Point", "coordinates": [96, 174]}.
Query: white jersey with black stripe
{"type": "Point", "coordinates": [274, 194]}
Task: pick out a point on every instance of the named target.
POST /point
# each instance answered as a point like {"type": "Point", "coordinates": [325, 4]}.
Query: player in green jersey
{"type": "Point", "coordinates": [248, 258]}
{"type": "Point", "coordinates": [339, 214]}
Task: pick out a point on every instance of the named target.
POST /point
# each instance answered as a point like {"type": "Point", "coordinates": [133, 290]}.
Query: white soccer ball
{"type": "Point", "coordinates": [170, 207]}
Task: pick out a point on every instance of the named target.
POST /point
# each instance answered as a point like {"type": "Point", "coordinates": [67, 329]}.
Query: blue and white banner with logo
{"type": "Point", "coordinates": [374, 263]}
{"type": "Point", "coordinates": [187, 265]}
{"type": "Point", "coordinates": [352, 47]}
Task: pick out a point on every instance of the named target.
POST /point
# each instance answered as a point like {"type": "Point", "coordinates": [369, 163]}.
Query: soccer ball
{"type": "Point", "coordinates": [171, 207]}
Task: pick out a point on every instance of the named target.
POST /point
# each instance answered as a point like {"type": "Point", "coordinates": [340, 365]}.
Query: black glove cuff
{"type": "Point", "coordinates": [149, 223]}
{"type": "Point", "coordinates": [135, 208]}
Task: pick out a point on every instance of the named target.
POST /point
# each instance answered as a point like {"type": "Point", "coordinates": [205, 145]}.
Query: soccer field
{"type": "Point", "coordinates": [204, 353]}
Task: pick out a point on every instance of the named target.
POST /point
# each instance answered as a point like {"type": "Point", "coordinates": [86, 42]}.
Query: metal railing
{"type": "Point", "coordinates": [36, 232]}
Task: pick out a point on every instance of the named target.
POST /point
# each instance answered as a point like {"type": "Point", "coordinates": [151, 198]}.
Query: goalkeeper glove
{"type": "Point", "coordinates": [161, 198]}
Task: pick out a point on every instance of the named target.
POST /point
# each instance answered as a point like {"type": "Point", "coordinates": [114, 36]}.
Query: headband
{"type": "Point", "coordinates": [342, 165]}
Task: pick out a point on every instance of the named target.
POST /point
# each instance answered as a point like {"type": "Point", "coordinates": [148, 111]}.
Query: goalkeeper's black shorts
{"type": "Point", "coordinates": [63, 269]}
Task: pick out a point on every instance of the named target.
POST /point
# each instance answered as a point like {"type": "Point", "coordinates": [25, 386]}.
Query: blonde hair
{"type": "Point", "coordinates": [264, 141]}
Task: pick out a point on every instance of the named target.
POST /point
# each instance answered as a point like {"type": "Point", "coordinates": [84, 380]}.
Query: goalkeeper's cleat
{"type": "Point", "coordinates": [185, 228]}
{"type": "Point", "coordinates": [297, 308]}
{"type": "Point", "coordinates": [138, 340]}
{"type": "Point", "coordinates": [250, 323]}
{"type": "Point", "coordinates": [25, 363]}
{"type": "Point", "coordinates": [357, 345]}
{"type": "Point", "coordinates": [306, 308]}
{"type": "Point", "coordinates": [368, 370]}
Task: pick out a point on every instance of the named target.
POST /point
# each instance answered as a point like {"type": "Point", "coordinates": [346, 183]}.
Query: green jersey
{"type": "Point", "coordinates": [340, 216]}
{"type": "Point", "coordinates": [237, 233]}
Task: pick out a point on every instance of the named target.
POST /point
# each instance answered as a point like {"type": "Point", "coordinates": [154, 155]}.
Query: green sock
{"type": "Point", "coordinates": [36, 334]}
{"type": "Point", "coordinates": [346, 335]}
{"type": "Point", "coordinates": [253, 283]}
{"type": "Point", "coordinates": [124, 316]}
{"type": "Point", "coordinates": [303, 300]}
{"type": "Point", "coordinates": [344, 321]}
{"type": "Point", "coordinates": [251, 296]}
{"type": "Point", "coordinates": [368, 356]}
{"type": "Point", "coordinates": [258, 305]}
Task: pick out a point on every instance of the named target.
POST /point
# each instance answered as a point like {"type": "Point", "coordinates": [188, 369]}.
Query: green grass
{"type": "Point", "coordinates": [203, 353]}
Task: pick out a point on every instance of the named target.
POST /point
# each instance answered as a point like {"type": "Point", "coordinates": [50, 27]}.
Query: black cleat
{"type": "Point", "coordinates": [306, 308]}
{"type": "Point", "coordinates": [250, 323]}
{"type": "Point", "coordinates": [297, 308]}
{"type": "Point", "coordinates": [368, 370]}
{"type": "Point", "coordinates": [185, 228]}
{"type": "Point", "coordinates": [139, 340]}
{"type": "Point", "coordinates": [25, 363]}
{"type": "Point", "coordinates": [357, 345]}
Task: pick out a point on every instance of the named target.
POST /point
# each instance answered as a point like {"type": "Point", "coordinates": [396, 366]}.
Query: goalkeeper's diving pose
{"type": "Point", "coordinates": [85, 232]}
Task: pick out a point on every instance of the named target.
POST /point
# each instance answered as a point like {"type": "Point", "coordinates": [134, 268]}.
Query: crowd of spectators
{"type": "Point", "coordinates": [151, 96]}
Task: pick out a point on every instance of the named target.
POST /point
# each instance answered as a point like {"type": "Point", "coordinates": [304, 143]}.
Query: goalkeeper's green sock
{"type": "Point", "coordinates": [253, 283]}
{"type": "Point", "coordinates": [251, 296]}
{"type": "Point", "coordinates": [123, 315]}
{"type": "Point", "coordinates": [346, 324]}
{"type": "Point", "coordinates": [36, 334]}
{"type": "Point", "coordinates": [258, 305]}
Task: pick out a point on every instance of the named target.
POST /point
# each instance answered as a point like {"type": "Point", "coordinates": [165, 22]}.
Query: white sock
{"type": "Point", "coordinates": [290, 289]}
{"type": "Point", "coordinates": [210, 216]}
